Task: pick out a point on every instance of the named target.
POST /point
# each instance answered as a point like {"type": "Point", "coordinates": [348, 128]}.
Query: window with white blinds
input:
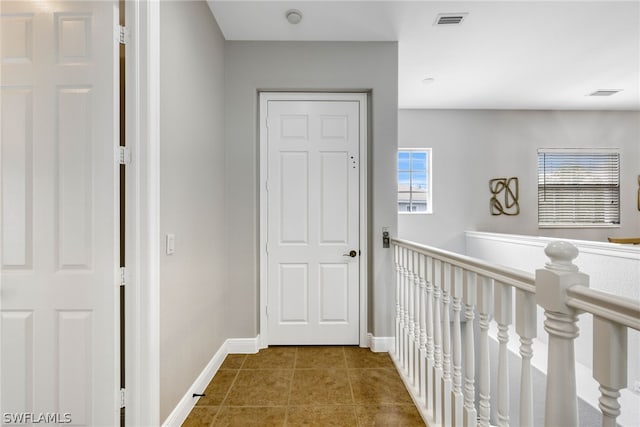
{"type": "Point", "coordinates": [578, 188]}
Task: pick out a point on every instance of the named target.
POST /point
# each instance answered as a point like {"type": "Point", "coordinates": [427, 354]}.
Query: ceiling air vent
{"type": "Point", "coordinates": [605, 92]}
{"type": "Point", "coordinates": [450, 18]}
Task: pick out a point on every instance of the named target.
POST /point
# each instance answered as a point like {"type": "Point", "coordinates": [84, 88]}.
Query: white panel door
{"type": "Point", "coordinates": [58, 243]}
{"type": "Point", "coordinates": [313, 222]}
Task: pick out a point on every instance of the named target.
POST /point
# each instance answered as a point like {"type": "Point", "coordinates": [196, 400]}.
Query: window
{"type": "Point", "coordinates": [414, 181]}
{"type": "Point", "coordinates": [578, 188]}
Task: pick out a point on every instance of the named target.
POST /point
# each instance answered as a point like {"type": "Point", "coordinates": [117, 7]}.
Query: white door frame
{"type": "Point", "coordinates": [361, 98]}
{"type": "Point", "coordinates": [142, 324]}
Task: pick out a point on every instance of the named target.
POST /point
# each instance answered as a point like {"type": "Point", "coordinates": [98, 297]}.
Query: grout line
{"type": "Point", "coordinates": [226, 395]}
{"type": "Point", "coordinates": [353, 397]}
{"type": "Point", "coordinates": [293, 374]}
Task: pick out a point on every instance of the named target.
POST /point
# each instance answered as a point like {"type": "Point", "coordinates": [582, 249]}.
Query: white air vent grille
{"type": "Point", "coordinates": [450, 18]}
{"type": "Point", "coordinates": [605, 92]}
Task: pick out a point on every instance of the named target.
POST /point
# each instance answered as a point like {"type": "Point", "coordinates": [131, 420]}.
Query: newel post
{"type": "Point", "coordinates": [552, 282]}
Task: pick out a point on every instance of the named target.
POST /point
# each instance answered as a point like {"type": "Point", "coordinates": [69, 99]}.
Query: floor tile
{"type": "Point", "coordinates": [200, 416]}
{"type": "Point", "coordinates": [320, 386]}
{"type": "Point", "coordinates": [260, 388]}
{"type": "Point", "coordinates": [217, 389]}
{"type": "Point", "coordinates": [320, 357]}
{"type": "Point", "coordinates": [364, 358]}
{"type": "Point", "coordinates": [233, 361]}
{"type": "Point", "coordinates": [389, 415]}
{"type": "Point", "coordinates": [271, 358]}
{"type": "Point", "coordinates": [306, 386]}
{"type": "Point", "coordinates": [376, 386]}
{"type": "Point", "coordinates": [245, 417]}
{"type": "Point", "coordinates": [321, 416]}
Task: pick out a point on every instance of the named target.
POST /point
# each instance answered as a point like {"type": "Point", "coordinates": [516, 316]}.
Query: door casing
{"type": "Point", "coordinates": [361, 98]}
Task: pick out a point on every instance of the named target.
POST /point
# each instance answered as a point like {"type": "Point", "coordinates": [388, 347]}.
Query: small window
{"type": "Point", "coordinates": [578, 188]}
{"type": "Point", "coordinates": [414, 181]}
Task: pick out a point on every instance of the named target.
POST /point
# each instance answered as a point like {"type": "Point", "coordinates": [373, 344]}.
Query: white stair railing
{"type": "Point", "coordinates": [437, 292]}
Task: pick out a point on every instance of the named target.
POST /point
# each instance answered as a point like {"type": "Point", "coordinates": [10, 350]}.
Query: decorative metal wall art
{"type": "Point", "coordinates": [504, 199]}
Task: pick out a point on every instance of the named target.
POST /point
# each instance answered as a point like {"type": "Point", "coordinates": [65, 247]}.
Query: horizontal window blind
{"type": "Point", "coordinates": [578, 187]}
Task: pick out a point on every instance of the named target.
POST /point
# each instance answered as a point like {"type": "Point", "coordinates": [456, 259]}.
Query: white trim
{"type": "Point", "coordinates": [584, 246]}
{"type": "Point", "coordinates": [242, 345]}
{"type": "Point", "coordinates": [143, 209]}
{"type": "Point", "coordinates": [429, 171]}
{"type": "Point", "coordinates": [381, 344]}
{"type": "Point", "coordinates": [186, 404]}
{"type": "Point", "coordinates": [361, 98]}
{"type": "Point", "coordinates": [593, 150]}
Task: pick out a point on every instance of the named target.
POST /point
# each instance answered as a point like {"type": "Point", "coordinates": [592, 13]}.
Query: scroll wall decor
{"type": "Point", "coordinates": [504, 199]}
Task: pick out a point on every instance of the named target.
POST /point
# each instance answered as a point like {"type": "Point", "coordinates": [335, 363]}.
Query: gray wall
{"type": "Point", "coordinates": [254, 66]}
{"type": "Point", "coordinates": [472, 146]}
{"type": "Point", "coordinates": [193, 280]}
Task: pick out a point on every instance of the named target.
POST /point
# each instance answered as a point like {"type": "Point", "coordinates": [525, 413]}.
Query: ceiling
{"type": "Point", "coordinates": [505, 54]}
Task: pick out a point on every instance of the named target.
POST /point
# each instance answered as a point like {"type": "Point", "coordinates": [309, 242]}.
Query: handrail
{"type": "Point", "coordinates": [605, 305]}
{"type": "Point", "coordinates": [430, 283]}
{"type": "Point", "coordinates": [510, 276]}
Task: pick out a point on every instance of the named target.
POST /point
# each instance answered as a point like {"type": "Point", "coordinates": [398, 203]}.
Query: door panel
{"type": "Point", "coordinates": [59, 269]}
{"type": "Point", "coordinates": [313, 221]}
{"type": "Point", "coordinates": [334, 198]}
{"type": "Point", "coordinates": [293, 292]}
{"type": "Point", "coordinates": [294, 199]}
{"type": "Point", "coordinates": [17, 178]}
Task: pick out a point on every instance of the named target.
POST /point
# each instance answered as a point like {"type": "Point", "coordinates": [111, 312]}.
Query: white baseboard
{"type": "Point", "coordinates": [243, 345]}
{"type": "Point", "coordinates": [186, 404]}
{"type": "Point", "coordinates": [381, 344]}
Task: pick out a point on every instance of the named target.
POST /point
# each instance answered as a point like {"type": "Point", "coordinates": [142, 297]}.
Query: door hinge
{"type": "Point", "coordinates": [122, 34]}
{"type": "Point", "coordinates": [266, 248]}
{"type": "Point", "coordinates": [122, 398]}
{"type": "Point", "coordinates": [123, 155]}
{"type": "Point", "coordinates": [123, 276]}
{"type": "Point", "coordinates": [266, 311]}
{"type": "Point", "coordinates": [266, 185]}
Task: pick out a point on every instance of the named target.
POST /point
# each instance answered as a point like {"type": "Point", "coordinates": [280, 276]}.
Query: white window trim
{"type": "Point", "coordinates": [429, 210]}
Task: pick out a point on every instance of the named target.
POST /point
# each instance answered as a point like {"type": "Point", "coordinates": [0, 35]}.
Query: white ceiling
{"type": "Point", "coordinates": [505, 55]}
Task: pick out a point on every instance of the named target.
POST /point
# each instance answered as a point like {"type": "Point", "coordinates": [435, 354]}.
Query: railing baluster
{"type": "Point", "coordinates": [485, 299]}
{"type": "Point", "coordinates": [412, 316]}
{"type": "Point", "coordinates": [416, 320]}
{"type": "Point", "coordinates": [456, 396]}
{"type": "Point", "coordinates": [423, 328]}
{"type": "Point", "coordinates": [446, 345]}
{"type": "Point", "coordinates": [430, 345]}
{"type": "Point", "coordinates": [502, 313]}
{"type": "Point", "coordinates": [405, 360]}
{"type": "Point", "coordinates": [396, 254]}
{"type": "Point", "coordinates": [526, 325]}
{"type": "Point", "coordinates": [401, 335]}
{"type": "Point", "coordinates": [609, 366]}
{"type": "Point", "coordinates": [470, 413]}
{"type": "Point", "coordinates": [437, 342]}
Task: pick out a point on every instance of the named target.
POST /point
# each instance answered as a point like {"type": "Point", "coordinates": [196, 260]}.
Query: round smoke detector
{"type": "Point", "coordinates": [293, 16]}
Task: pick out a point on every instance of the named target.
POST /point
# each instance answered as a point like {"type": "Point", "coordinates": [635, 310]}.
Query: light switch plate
{"type": "Point", "coordinates": [171, 244]}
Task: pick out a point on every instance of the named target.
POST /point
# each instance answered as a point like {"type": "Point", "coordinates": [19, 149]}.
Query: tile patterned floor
{"type": "Point", "coordinates": [306, 386]}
